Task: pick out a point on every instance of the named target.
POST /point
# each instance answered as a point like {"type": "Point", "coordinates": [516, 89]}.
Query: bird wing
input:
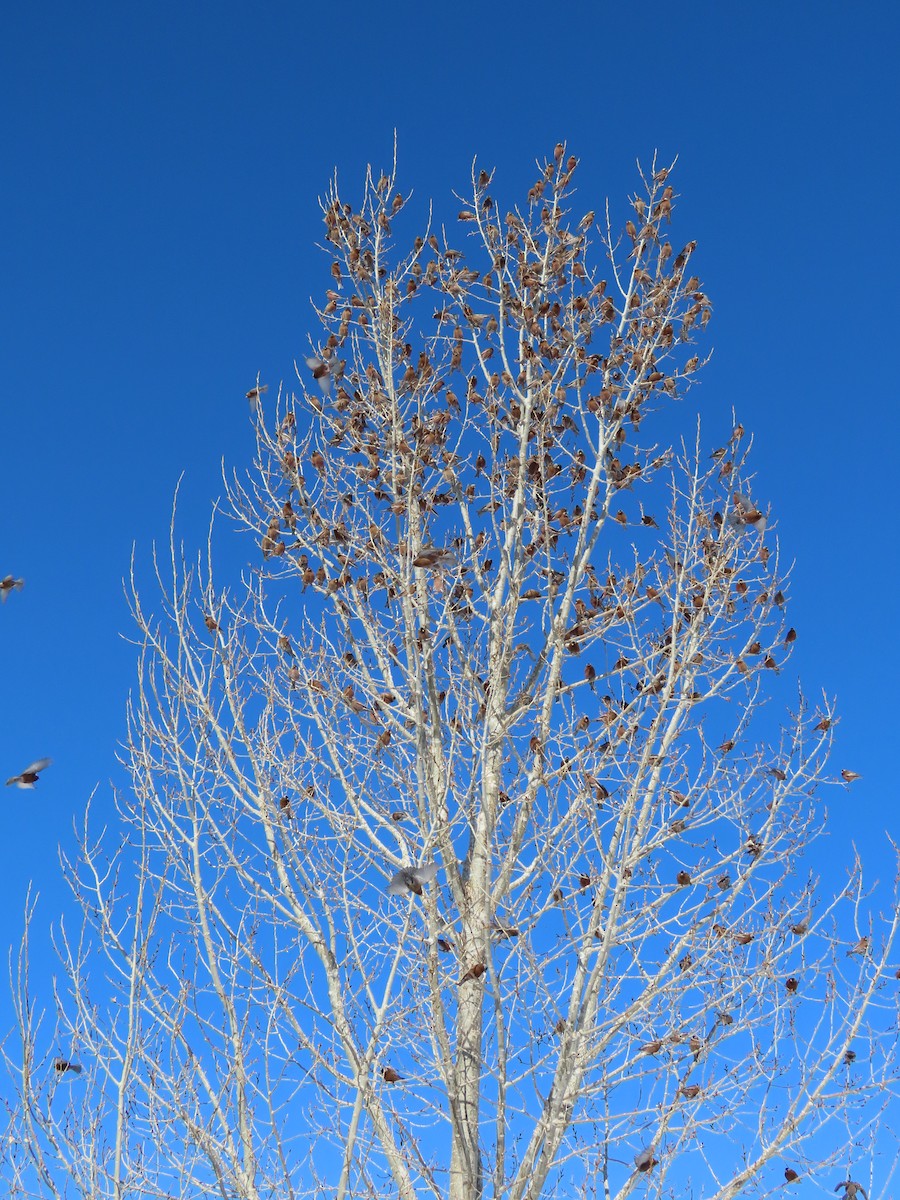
{"type": "Point", "coordinates": [398, 885]}
{"type": "Point", "coordinates": [36, 767]}
{"type": "Point", "coordinates": [427, 873]}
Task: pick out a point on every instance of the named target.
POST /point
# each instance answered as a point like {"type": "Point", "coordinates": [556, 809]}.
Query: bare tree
{"type": "Point", "coordinates": [461, 855]}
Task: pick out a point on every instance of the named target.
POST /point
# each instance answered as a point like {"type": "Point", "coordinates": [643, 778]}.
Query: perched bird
{"type": "Point", "coordinates": [790, 1175]}
{"type": "Point", "coordinates": [850, 1188]}
{"type": "Point", "coordinates": [474, 972]}
{"type": "Point", "coordinates": [683, 878]}
{"type": "Point", "coordinates": [410, 879]}
{"type": "Point", "coordinates": [653, 1047]}
{"type": "Point", "coordinates": [690, 1091]}
{"type": "Point", "coordinates": [29, 776]}
{"type": "Point", "coordinates": [861, 947]}
{"type": "Point", "coordinates": [7, 585]}
{"type": "Point", "coordinates": [321, 373]}
{"type": "Point", "coordinates": [849, 1057]}
{"type": "Point", "coordinates": [389, 1075]}
{"type": "Point", "coordinates": [849, 776]}
{"type": "Point", "coordinates": [62, 1065]}
{"type": "Point", "coordinates": [211, 624]}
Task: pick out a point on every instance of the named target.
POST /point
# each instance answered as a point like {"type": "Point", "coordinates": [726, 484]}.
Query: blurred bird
{"type": "Point", "coordinates": [410, 879]}
{"type": "Point", "coordinates": [790, 1175]}
{"type": "Point", "coordinates": [29, 776]}
{"type": "Point", "coordinates": [861, 947]}
{"type": "Point", "coordinates": [389, 1075]}
{"type": "Point", "coordinates": [62, 1065]}
{"type": "Point", "coordinates": [746, 515]}
{"type": "Point", "coordinates": [791, 984]}
{"type": "Point", "coordinates": [321, 373]}
{"type": "Point", "coordinates": [644, 1159]}
{"type": "Point", "coordinates": [255, 392]}
{"type": "Point", "coordinates": [849, 1057]}
{"type": "Point", "coordinates": [850, 1188]}
{"type": "Point", "coordinates": [473, 972]}
{"type": "Point", "coordinates": [690, 1091]}
{"type": "Point", "coordinates": [849, 776]}
{"type": "Point", "coordinates": [7, 585]}
{"type": "Point", "coordinates": [431, 556]}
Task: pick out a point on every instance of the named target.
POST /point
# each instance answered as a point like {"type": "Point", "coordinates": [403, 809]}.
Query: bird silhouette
{"type": "Point", "coordinates": [29, 776]}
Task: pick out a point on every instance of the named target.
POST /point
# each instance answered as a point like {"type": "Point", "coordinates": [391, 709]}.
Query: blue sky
{"type": "Point", "coordinates": [162, 168]}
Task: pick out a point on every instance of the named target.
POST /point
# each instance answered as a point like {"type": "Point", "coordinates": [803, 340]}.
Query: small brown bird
{"type": "Point", "coordinates": [849, 776]}
{"type": "Point", "coordinates": [696, 1046]}
{"type": "Point", "coordinates": [644, 1160]}
{"type": "Point", "coordinates": [389, 1075]}
{"type": "Point", "coordinates": [211, 624]}
{"type": "Point", "coordinates": [685, 963]}
{"type": "Point", "coordinates": [850, 1188]}
{"type": "Point", "coordinates": [474, 972]}
{"type": "Point", "coordinates": [653, 1047]}
{"type": "Point", "coordinates": [433, 556]}
{"type": "Point", "coordinates": [29, 776]}
{"type": "Point", "coordinates": [7, 585]}
{"type": "Point", "coordinates": [255, 392]}
{"type": "Point", "coordinates": [62, 1065]}
{"type": "Point", "coordinates": [284, 805]}
{"type": "Point", "coordinates": [743, 939]}
{"type": "Point", "coordinates": [321, 372]}
{"type": "Point", "coordinates": [444, 945]}
{"type": "Point", "coordinates": [683, 878]}
{"type": "Point", "coordinates": [800, 928]}
{"type": "Point", "coordinates": [790, 1175]}
{"type": "Point", "coordinates": [724, 882]}
{"type": "Point", "coordinates": [690, 1091]}
{"type": "Point", "coordinates": [410, 879]}
{"type": "Point", "coordinates": [849, 1057]}
{"type": "Point", "coordinates": [861, 947]}
{"type": "Point", "coordinates": [791, 984]}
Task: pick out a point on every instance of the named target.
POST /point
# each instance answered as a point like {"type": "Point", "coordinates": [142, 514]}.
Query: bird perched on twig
{"type": "Point", "coordinates": [410, 879]}
{"type": "Point", "coordinates": [29, 776]}
{"type": "Point", "coordinates": [9, 584]}
{"type": "Point", "coordinates": [850, 1188]}
{"type": "Point", "coordinates": [389, 1075]}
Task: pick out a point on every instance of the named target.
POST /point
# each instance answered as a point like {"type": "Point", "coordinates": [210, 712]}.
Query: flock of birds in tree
{"type": "Point", "coordinates": [408, 881]}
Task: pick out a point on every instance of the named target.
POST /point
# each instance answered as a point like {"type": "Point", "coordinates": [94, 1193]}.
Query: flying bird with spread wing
{"type": "Point", "coordinates": [29, 777]}
{"type": "Point", "coordinates": [410, 879]}
{"type": "Point", "coordinates": [850, 1188]}
{"type": "Point", "coordinates": [9, 584]}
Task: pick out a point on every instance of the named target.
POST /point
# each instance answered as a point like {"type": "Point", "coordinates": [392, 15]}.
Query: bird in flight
{"type": "Point", "coordinates": [850, 1188]}
{"type": "Point", "coordinates": [29, 776]}
{"type": "Point", "coordinates": [410, 879]}
{"type": "Point", "coordinates": [62, 1066]}
{"type": "Point", "coordinates": [7, 585]}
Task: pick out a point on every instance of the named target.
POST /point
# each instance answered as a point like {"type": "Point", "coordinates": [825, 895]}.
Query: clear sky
{"type": "Point", "coordinates": [161, 169]}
